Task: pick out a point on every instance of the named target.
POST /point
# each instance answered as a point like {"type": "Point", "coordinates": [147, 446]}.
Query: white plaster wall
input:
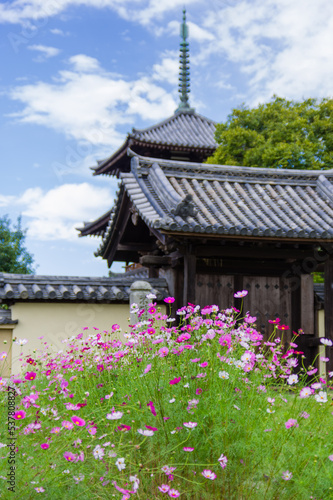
{"type": "Point", "coordinates": [57, 322]}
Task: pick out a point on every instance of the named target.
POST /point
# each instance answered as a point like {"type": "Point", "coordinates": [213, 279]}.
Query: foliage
{"type": "Point", "coordinates": [205, 410]}
{"type": "Point", "coordinates": [14, 257]}
{"type": "Point", "coordinates": [279, 134]}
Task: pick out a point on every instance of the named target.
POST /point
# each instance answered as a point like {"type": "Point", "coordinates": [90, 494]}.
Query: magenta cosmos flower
{"type": "Point", "coordinates": [239, 295]}
{"type": "Point", "coordinates": [78, 421]}
{"type": "Point", "coordinates": [70, 457]}
{"type": "Point", "coordinates": [19, 415]}
{"type": "Point", "coordinates": [44, 446]}
{"type": "Point", "coordinates": [30, 376]}
{"type": "Point", "coordinates": [187, 448]}
{"type": "Point", "coordinates": [169, 300]}
{"type": "Point", "coordinates": [175, 381]}
{"type": "Point", "coordinates": [152, 408]}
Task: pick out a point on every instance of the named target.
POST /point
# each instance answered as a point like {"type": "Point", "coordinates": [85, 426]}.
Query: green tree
{"type": "Point", "coordinates": [279, 134]}
{"type": "Point", "coordinates": [14, 257]}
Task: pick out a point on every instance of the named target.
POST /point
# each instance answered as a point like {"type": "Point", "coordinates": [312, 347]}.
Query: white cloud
{"type": "Point", "coordinates": [5, 201]}
{"type": "Point", "coordinates": [56, 31]}
{"type": "Point", "coordinates": [84, 63]}
{"type": "Point", "coordinates": [54, 214]}
{"type": "Point", "coordinates": [45, 52]}
{"type": "Point", "coordinates": [90, 106]}
{"type": "Point", "coordinates": [167, 70]}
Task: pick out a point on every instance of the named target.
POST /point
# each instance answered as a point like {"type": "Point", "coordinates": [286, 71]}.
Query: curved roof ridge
{"type": "Point", "coordinates": [168, 120]}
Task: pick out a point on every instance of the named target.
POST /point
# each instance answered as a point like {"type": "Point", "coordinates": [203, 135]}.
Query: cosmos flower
{"type": "Point", "coordinates": [44, 446]}
{"type": "Point", "coordinates": [321, 397]}
{"type": "Point", "coordinates": [115, 415]}
{"type": "Point", "coordinates": [175, 381]}
{"type": "Point", "coordinates": [326, 342]}
{"type": "Point", "coordinates": [145, 432]}
{"type": "Point", "coordinates": [190, 425]}
{"type": "Point", "coordinates": [224, 375]}
{"type": "Point", "coordinates": [19, 415]}
{"type": "Point", "coordinates": [164, 488]}
{"type": "Point", "coordinates": [239, 295]}
{"type": "Point", "coordinates": [287, 475]}
{"type": "Point", "coordinates": [187, 448]}
{"type": "Point", "coordinates": [78, 421]}
{"type": "Point", "coordinates": [169, 300]}
{"type": "Point", "coordinates": [208, 474]}
{"type": "Point", "coordinates": [120, 463]}
{"type": "Point", "coordinates": [70, 457]}
{"type": "Point", "coordinates": [173, 493]}
{"type": "Point", "coordinates": [223, 461]}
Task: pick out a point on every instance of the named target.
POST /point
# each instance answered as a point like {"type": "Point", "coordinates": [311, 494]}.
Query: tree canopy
{"type": "Point", "coordinates": [279, 134]}
{"type": "Point", "coordinates": [14, 257]}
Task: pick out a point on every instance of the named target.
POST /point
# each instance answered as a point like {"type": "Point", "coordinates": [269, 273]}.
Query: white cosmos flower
{"type": "Point", "coordinates": [190, 425]}
{"type": "Point", "coordinates": [21, 341]}
{"type": "Point", "coordinates": [326, 342]}
{"type": "Point", "coordinates": [292, 379]}
{"type": "Point", "coordinates": [145, 432]}
{"type": "Point", "coordinates": [172, 400]}
{"type": "Point", "coordinates": [321, 397]}
{"type": "Point", "coordinates": [120, 463]}
{"type": "Point", "coordinates": [98, 452]}
{"type": "Point", "coordinates": [116, 415]}
{"type": "Point", "coordinates": [224, 375]}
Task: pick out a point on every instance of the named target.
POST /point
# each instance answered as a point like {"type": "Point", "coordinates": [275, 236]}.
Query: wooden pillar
{"type": "Point", "coordinates": [189, 279]}
{"type": "Point", "coordinates": [328, 307]}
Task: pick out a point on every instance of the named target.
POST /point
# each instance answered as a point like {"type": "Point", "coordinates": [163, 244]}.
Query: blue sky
{"type": "Point", "coordinates": [77, 75]}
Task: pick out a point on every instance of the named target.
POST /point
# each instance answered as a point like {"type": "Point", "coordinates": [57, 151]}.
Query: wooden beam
{"type": "Point", "coordinates": [253, 252]}
{"type": "Point", "coordinates": [189, 279]}
{"type": "Point", "coordinates": [155, 260]}
{"type": "Point", "coordinates": [328, 307]}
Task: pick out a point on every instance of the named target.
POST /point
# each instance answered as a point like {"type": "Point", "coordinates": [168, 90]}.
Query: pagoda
{"type": "Point", "coordinates": [186, 136]}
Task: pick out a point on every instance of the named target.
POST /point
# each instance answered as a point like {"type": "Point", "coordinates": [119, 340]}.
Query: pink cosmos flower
{"type": "Point", "coordinates": [287, 475]}
{"type": "Point", "coordinates": [55, 430]}
{"type": "Point", "coordinates": [100, 368]}
{"type": "Point", "coordinates": [203, 365]}
{"type": "Point", "coordinates": [164, 488]}
{"type": "Point", "coordinates": [312, 372]}
{"type": "Point", "coordinates": [173, 493]}
{"type": "Point", "coordinates": [331, 457]}
{"type": "Point", "coordinates": [67, 424]}
{"type": "Point", "coordinates": [198, 391]}
{"type": "Point", "coordinates": [151, 331]}
{"type": "Point", "coordinates": [30, 376]}
{"type": "Point", "coordinates": [292, 422]}
{"type": "Point", "coordinates": [92, 431]}
{"type": "Point", "coordinates": [44, 446]}
{"type": "Point", "coordinates": [70, 457]}
{"type": "Point", "coordinates": [208, 474]}
{"type": "Point", "coordinates": [40, 489]}
{"type": "Point", "coordinates": [195, 360]}
{"type": "Point", "coordinates": [169, 300]}
{"type": "Point", "coordinates": [187, 448]}
{"type": "Point", "coordinates": [19, 415]}
{"type": "Point", "coordinates": [305, 392]}
{"type": "Point", "coordinates": [164, 351]}
{"type": "Point", "coordinates": [78, 421]}
{"type": "Point", "coordinates": [152, 408]}
{"type": "Point", "coordinates": [147, 369]}
{"type": "Point", "coordinates": [115, 415]}
{"type": "Point", "coordinates": [223, 461]}
{"type": "Point", "coordinates": [304, 414]}
{"type": "Point", "coordinates": [175, 381]}
{"type": "Point", "coordinates": [239, 295]}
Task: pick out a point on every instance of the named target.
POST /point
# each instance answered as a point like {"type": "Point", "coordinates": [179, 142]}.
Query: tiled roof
{"type": "Point", "coordinates": [26, 288]}
{"type": "Point", "coordinates": [184, 130]}
{"type": "Point", "coordinates": [6, 317]}
{"type": "Point", "coordinates": [181, 129]}
{"type": "Point", "coordinates": [236, 201]}
{"type": "Point", "coordinates": [96, 227]}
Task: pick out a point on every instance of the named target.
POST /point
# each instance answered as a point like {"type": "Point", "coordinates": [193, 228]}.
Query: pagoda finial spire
{"type": "Point", "coordinates": [184, 68]}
